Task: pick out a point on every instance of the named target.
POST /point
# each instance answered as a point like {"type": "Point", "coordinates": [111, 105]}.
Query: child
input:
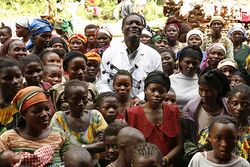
{"type": "Point", "coordinates": [52, 56]}
{"type": "Point", "coordinates": [108, 106]}
{"type": "Point", "coordinates": [77, 156]}
{"type": "Point", "coordinates": [239, 107]}
{"type": "Point", "coordinates": [93, 67]}
{"type": "Point", "coordinates": [11, 81]}
{"type": "Point", "coordinates": [89, 32]}
{"type": "Point", "coordinates": [146, 155]}
{"type": "Point", "coordinates": [52, 74]}
{"type": "Point", "coordinates": [154, 117]}
{"type": "Point", "coordinates": [170, 97]}
{"type": "Point", "coordinates": [240, 76]}
{"type": "Point", "coordinates": [122, 85]}
{"type": "Point", "coordinates": [5, 34]}
{"type": "Point", "coordinates": [223, 138]}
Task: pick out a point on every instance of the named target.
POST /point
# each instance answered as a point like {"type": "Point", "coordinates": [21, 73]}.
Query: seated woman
{"type": "Point", "coordinates": [158, 121]}
{"type": "Point", "coordinates": [34, 141]}
{"type": "Point", "coordinates": [198, 113]}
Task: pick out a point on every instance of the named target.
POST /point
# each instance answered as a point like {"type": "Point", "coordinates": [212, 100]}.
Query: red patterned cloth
{"type": "Point", "coordinates": [162, 135]}
{"type": "Point", "coordinates": [39, 158]}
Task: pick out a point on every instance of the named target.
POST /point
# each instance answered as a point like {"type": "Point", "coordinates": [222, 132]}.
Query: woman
{"type": "Point", "coordinates": [198, 113]}
{"type": "Point", "coordinates": [238, 35]}
{"type": "Point", "coordinates": [228, 67]}
{"type": "Point", "coordinates": [103, 38]}
{"type": "Point", "coordinates": [78, 42]}
{"type": "Point", "coordinates": [160, 41]}
{"type": "Point", "coordinates": [59, 43]}
{"type": "Point", "coordinates": [14, 48]}
{"type": "Point", "coordinates": [22, 29]}
{"type": "Point", "coordinates": [168, 60]}
{"type": "Point", "coordinates": [154, 118]}
{"type": "Point", "coordinates": [40, 35]}
{"type": "Point", "coordinates": [34, 141]}
{"type": "Point", "coordinates": [11, 81]}
{"type": "Point", "coordinates": [185, 83]}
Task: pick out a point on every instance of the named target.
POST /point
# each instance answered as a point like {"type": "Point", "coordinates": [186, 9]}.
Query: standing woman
{"type": "Point", "coordinates": [22, 29]}
{"type": "Point", "coordinates": [78, 42]}
{"type": "Point", "coordinates": [34, 141]}
{"type": "Point", "coordinates": [159, 122]}
{"type": "Point", "coordinates": [238, 35]}
{"type": "Point", "coordinates": [185, 83]}
{"type": "Point", "coordinates": [40, 35]}
{"type": "Point", "coordinates": [11, 81]}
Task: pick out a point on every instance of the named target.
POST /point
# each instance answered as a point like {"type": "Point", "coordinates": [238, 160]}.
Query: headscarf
{"type": "Point", "coordinates": [70, 56]}
{"type": "Point", "coordinates": [237, 27]}
{"type": "Point", "coordinates": [159, 77]}
{"type": "Point", "coordinates": [5, 47]}
{"type": "Point", "coordinates": [158, 37]}
{"type": "Point", "coordinates": [59, 40]}
{"type": "Point", "coordinates": [24, 22]}
{"type": "Point", "coordinates": [216, 45]}
{"type": "Point", "coordinates": [39, 26]}
{"type": "Point", "coordinates": [195, 32]}
{"type": "Point", "coordinates": [217, 18]}
{"type": "Point", "coordinates": [193, 51]}
{"type": "Point", "coordinates": [215, 79]}
{"type": "Point", "coordinates": [243, 73]}
{"type": "Point", "coordinates": [146, 32]}
{"type": "Point", "coordinates": [78, 36]}
{"type": "Point", "coordinates": [227, 62]}
{"type": "Point", "coordinates": [27, 97]}
{"type": "Point", "coordinates": [173, 22]}
{"type": "Point", "coordinates": [104, 30]}
{"type": "Point", "coordinates": [65, 26]}
{"type": "Point", "coordinates": [93, 56]}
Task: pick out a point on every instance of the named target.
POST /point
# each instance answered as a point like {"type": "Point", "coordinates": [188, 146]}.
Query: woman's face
{"type": "Point", "coordinates": [11, 81]}
{"type": "Point", "coordinates": [189, 66]}
{"type": "Point", "coordinates": [38, 116]}
{"type": "Point", "coordinates": [102, 40]}
{"type": "Point", "coordinates": [77, 98]}
{"type": "Point", "coordinates": [236, 80]}
{"type": "Point", "coordinates": [239, 105]}
{"type": "Point", "coordinates": [52, 58]}
{"type": "Point", "coordinates": [17, 50]}
{"type": "Point", "coordinates": [237, 37]}
{"type": "Point", "coordinates": [93, 68]}
{"type": "Point", "coordinates": [123, 85]}
{"type": "Point", "coordinates": [215, 56]}
{"type": "Point", "coordinates": [21, 31]}
{"type": "Point", "coordinates": [194, 40]}
{"type": "Point", "coordinates": [228, 71]}
{"type": "Point", "coordinates": [77, 69]}
{"type": "Point", "coordinates": [145, 39]}
{"type": "Point", "coordinates": [155, 93]}
{"type": "Point", "coordinates": [42, 40]}
{"type": "Point", "coordinates": [207, 93]}
{"type": "Point", "coordinates": [167, 61]}
{"type": "Point", "coordinates": [77, 45]}
{"type": "Point", "coordinates": [172, 32]}
{"type": "Point", "coordinates": [58, 46]}
{"type": "Point", "coordinates": [33, 73]}
{"type": "Point", "coordinates": [216, 26]}
{"type": "Point", "coordinates": [161, 43]}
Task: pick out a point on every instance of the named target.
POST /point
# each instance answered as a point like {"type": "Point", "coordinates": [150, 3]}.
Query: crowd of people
{"type": "Point", "coordinates": [176, 97]}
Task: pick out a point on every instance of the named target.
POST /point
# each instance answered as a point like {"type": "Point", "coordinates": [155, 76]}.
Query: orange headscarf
{"type": "Point", "coordinates": [93, 56]}
{"type": "Point", "coordinates": [27, 97]}
{"type": "Point", "coordinates": [80, 37]}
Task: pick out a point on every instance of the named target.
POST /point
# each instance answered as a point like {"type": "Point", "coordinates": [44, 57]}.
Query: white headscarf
{"type": "Point", "coordinates": [237, 27]}
{"type": "Point", "coordinates": [24, 22]}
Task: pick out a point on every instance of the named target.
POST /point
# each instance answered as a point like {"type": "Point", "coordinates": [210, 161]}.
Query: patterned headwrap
{"type": "Point", "coordinates": [39, 26]}
{"type": "Point", "coordinates": [195, 32]}
{"type": "Point", "coordinates": [237, 27]}
{"type": "Point", "coordinates": [216, 45]}
{"type": "Point", "coordinates": [217, 18]}
{"type": "Point", "coordinates": [27, 97]}
{"type": "Point", "coordinates": [93, 56]}
{"type": "Point", "coordinates": [40, 158]}
{"type": "Point", "coordinates": [78, 36]}
{"type": "Point", "coordinates": [158, 37]}
{"type": "Point", "coordinates": [104, 30]}
{"type": "Point", "coordinates": [173, 22]}
{"type": "Point", "coordinates": [65, 26]}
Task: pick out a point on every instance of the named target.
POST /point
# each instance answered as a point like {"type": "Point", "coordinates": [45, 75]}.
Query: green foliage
{"type": "Point", "coordinates": [153, 11]}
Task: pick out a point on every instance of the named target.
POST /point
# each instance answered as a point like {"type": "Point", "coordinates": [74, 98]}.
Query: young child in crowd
{"type": "Point", "coordinates": [52, 74]}
{"type": "Point", "coordinates": [122, 85]}
{"type": "Point", "coordinates": [93, 67]}
{"type": "Point", "coordinates": [110, 140]}
{"type": "Point", "coordinates": [5, 34]}
{"type": "Point", "coordinates": [239, 107]}
{"type": "Point", "coordinates": [223, 138]}
{"type": "Point", "coordinates": [77, 156]}
{"type": "Point", "coordinates": [11, 81]}
{"type": "Point", "coordinates": [108, 106]}
{"type": "Point", "coordinates": [240, 76]}
{"type": "Point", "coordinates": [170, 97]}
{"type": "Point", "coordinates": [89, 32]}
{"type": "Point", "coordinates": [146, 155]}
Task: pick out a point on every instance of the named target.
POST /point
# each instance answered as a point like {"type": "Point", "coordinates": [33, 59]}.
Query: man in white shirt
{"type": "Point", "coordinates": [130, 55]}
